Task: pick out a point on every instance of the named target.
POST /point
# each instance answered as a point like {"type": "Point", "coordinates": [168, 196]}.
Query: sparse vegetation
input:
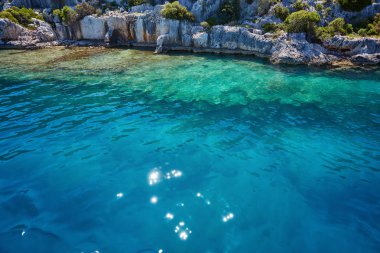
{"type": "Point", "coordinates": [270, 27]}
{"type": "Point", "coordinates": [335, 27]}
{"type": "Point", "coordinates": [84, 9]}
{"type": "Point", "coordinates": [300, 5]}
{"type": "Point", "coordinates": [21, 16]}
{"type": "Point", "coordinates": [136, 2]}
{"type": "Point", "coordinates": [205, 25]}
{"type": "Point", "coordinates": [372, 28]}
{"type": "Point", "coordinates": [176, 11]}
{"type": "Point", "coordinates": [67, 15]}
{"type": "Point", "coordinates": [281, 12]}
{"type": "Point", "coordinates": [319, 7]}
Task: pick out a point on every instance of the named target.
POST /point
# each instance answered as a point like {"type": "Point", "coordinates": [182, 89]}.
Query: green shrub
{"type": "Point", "coordinates": [205, 25]}
{"type": "Point", "coordinates": [362, 32]}
{"type": "Point", "coordinates": [354, 5]}
{"type": "Point", "coordinates": [269, 27]}
{"type": "Point", "coordinates": [302, 21]}
{"type": "Point", "coordinates": [57, 12]}
{"type": "Point", "coordinates": [281, 12]}
{"type": "Point", "coordinates": [300, 5]}
{"type": "Point", "coordinates": [67, 15]}
{"type": "Point", "coordinates": [84, 9]}
{"type": "Point", "coordinates": [319, 7]}
{"type": "Point", "coordinates": [135, 2]}
{"type": "Point", "coordinates": [8, 15]}
{"type": "Point", "coordinates": [176, 11]}
{"type": "Point", "coordinates": [373, 28]}
{"type": "Point", "coordinates": [327, 12]}
{"type": "Point", "coordinates": [336, 27]}
{"type": "Point", "coordinates": [22, 16]}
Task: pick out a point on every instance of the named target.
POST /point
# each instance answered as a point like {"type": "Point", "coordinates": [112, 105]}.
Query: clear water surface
{"type": "Point", "coordinates": [113, 150]}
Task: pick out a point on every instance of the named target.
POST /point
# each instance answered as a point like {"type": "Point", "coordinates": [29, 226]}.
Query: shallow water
{"type": "Point", "coordinates": [114, 150]}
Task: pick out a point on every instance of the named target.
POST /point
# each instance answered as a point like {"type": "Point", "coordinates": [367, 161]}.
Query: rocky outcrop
{"type": "Point", "coordinates": [353, 46]}
{"type": "Point", "coordinates": [152, 30]}
{"type": "Point", "coordinates": [93, 28]}
{"type": "Point", "coordinates": [14, 35]}
{"type": "Point", "coordinates": [10, 31]}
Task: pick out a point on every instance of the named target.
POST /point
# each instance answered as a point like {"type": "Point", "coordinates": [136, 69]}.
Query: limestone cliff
{"type": "Point", "coordinates": [148, 28]}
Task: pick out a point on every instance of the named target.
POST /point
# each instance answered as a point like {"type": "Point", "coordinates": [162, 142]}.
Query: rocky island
{"type": "Point", "coordinates": [309, 32]}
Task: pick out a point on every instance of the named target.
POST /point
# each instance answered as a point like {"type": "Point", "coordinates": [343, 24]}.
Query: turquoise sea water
{"type": "Point", "coordinates": [124, 151]}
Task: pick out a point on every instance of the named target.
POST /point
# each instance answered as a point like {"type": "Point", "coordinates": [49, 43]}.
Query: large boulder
{"type": "Point", "coordinates": [11, 31]}
{"type": "Point", "coordinates": [93, 28]}
{"type": "Point", "coordinates": [13, 34]}
{"type": "Point", "coordinates": [44, 31]}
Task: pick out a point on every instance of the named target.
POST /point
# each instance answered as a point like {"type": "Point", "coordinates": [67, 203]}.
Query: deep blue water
{"type": "Point", "coordinates": [122, 151]}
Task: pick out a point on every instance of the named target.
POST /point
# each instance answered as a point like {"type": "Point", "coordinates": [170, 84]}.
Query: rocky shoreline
{"type": "Point", "coordinates": [150, 30]}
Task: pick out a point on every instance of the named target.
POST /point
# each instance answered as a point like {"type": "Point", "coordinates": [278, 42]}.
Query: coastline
{"type": "Point", "coordinates": [341, 62]}
{"type": "Point", "coordinates": [150, 30]}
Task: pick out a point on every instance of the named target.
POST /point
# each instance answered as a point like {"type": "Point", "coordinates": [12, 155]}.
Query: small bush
{"type": "Point", "coordinates": [362, 32]}
{"type": "Point", "coordinates": [373, 29]}
{"type": "Point", "coordinates": [135, 2]}
{"type": "Point", "coordinates": [176, 11]}
{"type": "Point", "coordinates": [205, 25]}
{"type": "Point", "coordinates": [319, 7]}
{"type": "Point", "coordinates": [302, 21]}
{"type": "Point", "coordinates": [327, 12]}
{"type": "Point", "coordinates": [22, 16]}
{"type": "Point", "coordinates": [336, 27]}
{"type": "Point", "coordinates": [300, 5]}
{"type": "Point", "coordinates": [281, 12]}
{"type": "Point", "coordinates": [269, 27]}
{"type": "Point", "coordinates": [84, 9]}
{"type": "Point", "coordinates": [8, 15]}
{"type": "Point", "coordinates": [354, 5]}
{"type": "Point", "coordinates": [67, 15]}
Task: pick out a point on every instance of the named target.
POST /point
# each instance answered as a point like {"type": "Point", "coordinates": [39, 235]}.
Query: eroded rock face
{"type": "Point", "coordinates": [93, 28]}
{"type": "Point", "coordinates": [353, 46]}
{"type": "Point", "coordinates": [44, 31]}
{"type": "Point", "coordinates": [150, 29]}
{"type": "Point", "coordinates": [296, 50]}
{"type": "Point", "coordinates": [200, 39]}
{"type": "Point", "coordinates": [11, 31]}
{"type": "Point", "coordinates": [15, 35]}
